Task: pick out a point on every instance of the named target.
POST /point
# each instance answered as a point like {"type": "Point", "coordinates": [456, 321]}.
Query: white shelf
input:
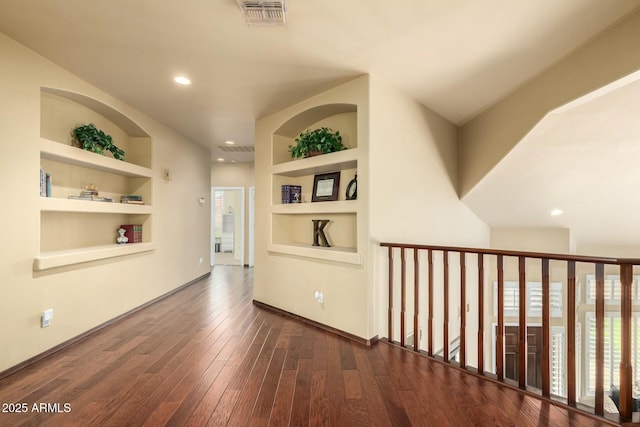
{"type": "Point", "coordinates": [341, 206]}
{"type": "Point", "coordinates": [49, 260]}
{"type": "Point", "coordinates": [71, 205]}
{"type": "Point", "coordinates": [75, 156]}
{"type": "Point", "coordinates": [332, 162]}
{"type": "Point", "coordinates": [337, 254]}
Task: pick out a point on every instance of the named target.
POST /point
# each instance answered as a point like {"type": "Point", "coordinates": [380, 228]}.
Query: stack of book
{"type": "Point", "coordinates": [91, 195]}
{"type": "Point", "coordinates": [133, 232]}
{"type": "Point", "coordinates": [131, 199]}
{"type": "Point", "coordinates": [45, 183]}
{"type": "Point", "coordinates": [291, 194]}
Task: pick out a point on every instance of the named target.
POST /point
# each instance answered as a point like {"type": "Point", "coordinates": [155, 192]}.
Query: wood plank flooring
{"type": "Point", "coordinates": [207, 356]}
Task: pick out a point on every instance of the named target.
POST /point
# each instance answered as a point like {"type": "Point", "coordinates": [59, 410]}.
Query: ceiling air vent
{"type": "Point", "coordinates": [259, 12]}
{"type": "Point", "coordinates": [237, 148]}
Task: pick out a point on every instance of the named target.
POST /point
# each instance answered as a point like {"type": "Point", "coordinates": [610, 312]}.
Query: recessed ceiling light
{"type": "Point", "coordinates": [182, 80]}
{"type": "Point", "coordinates": [556, 212]}
{"type": "Point", "coordinates": [233, 161]}
{"type": "Point", "coordinates": [229, 142]}
{"type": "Point", "coordinates": [220, 159]}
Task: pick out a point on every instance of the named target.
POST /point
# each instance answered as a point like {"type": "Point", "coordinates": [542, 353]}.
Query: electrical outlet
{"type": "Point", "coordinates": [319, 297]}
{"type": "Point", "coordinates": [200, 261]}
{"type": "Point", "coordinates": [45, 319]}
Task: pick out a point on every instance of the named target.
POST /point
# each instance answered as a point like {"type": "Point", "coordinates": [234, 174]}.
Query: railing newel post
{"type": "Point", "coordinates": [599, 397]}
{"type": "Point", "coordinates": [463, 309]}
{"type": "Point", "coordinates": [430, 322]}
{"type": "Point", "coordinates": [480, 314]}
{"type": "Point", "coordinates": [445, 323]}
{"type": "Point", "coordinates": [626, 368]}
{"type": "Point", "coordinates": [522, 323]}
{"type": "Point", "coordinates": [416, 300]}
{"type": "Point", "coordinates": [571, 333]}
{"type": "Point", "coordinates": [500, 326]}
{"type": "Point", "coordinates": [403, 295]}
{"type": "Point", "coordinates": [546, 314]}
{"type": "Point", "coordinates": [390, 305]}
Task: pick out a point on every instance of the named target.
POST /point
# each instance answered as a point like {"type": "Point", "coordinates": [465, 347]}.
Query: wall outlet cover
{"type": "Point", "coordinates": [47, 315]}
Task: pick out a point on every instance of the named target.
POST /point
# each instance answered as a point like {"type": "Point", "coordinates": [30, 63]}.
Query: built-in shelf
{"type": "Point", "coordinates": [58, 152]}
{"type": "Point", "coordinates": [331, 162]}
{"type": "Point", "coordinates": [337, 254]}
{"type": "Point", "coordinates": [48, 260]}
{"type": "Point", "coordinates": [93, 222]}
{"type": "Point", "coordinates": [52, 204]}
{"type": "Point", "coordinates": [341, 206]}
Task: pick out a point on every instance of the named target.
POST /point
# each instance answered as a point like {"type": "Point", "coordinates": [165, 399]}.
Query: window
{"type": "Point", "coordinates": [511, 295]}
{"type": "Point", "coordinates": [557, 361]}
{"type": "Point", "coordinates": [534, 299]}
{"type": "Point", "coordinates": [612, 289]}
{"type": "Point", "coordinates": [218, 208]}
{"type": "Point", "coordinates": [612, 349]}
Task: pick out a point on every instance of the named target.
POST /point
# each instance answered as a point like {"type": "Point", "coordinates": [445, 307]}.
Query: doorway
{"type": "Point", "coordinates": [252, 212]}
{"type": "Point", "coordinates": [227, 223]}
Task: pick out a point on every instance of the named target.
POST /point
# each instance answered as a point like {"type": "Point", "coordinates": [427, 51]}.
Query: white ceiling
{"type": "Point", "coordinates": [457, 57]}
{"type": "Point", "coordinates": [583, 159]}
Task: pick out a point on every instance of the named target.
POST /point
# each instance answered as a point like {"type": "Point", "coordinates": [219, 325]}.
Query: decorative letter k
{"type": "Point", "coordinates": [319, 238]}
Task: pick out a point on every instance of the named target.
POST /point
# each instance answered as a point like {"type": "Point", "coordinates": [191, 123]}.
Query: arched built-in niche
{"type": "Point", "coordinates": [74, 231]}
{"type": "Point", "coordinates": [290, 223]}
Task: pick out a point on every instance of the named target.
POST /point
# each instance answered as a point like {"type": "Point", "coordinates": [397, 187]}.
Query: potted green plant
{"type": "Point", "coordinates": [318, 141]}
{"type": "Point", "coordinates": [93, 139]}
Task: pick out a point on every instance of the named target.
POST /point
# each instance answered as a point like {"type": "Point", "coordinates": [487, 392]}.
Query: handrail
{"type": "Point", "coordinates": [447, 264]}
{"type": "Point", "coordinates": [552, 256]}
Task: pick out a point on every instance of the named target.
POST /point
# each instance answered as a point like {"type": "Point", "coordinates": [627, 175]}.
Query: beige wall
{"type": "Point", "coordinates": [532, 239]}
{"type": "Point", "coordinates": [236, 175]}
{"type": "Point", "coordinates": [288, 282]}
{"type": "Point", "coordinates": [232, 175]}
{"type": "Point", "coordinates": [413, 198]}
{"type": "Point", "coordinates": [407, 192]}
{"type": "Point", "coordinates": [486, 139]}
{"type": "Point", "coordinates": [85, 295]}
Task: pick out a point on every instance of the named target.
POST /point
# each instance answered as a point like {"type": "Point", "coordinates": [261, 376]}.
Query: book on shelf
{"type": "Point", "coordinates": [47, 180]}
{"type": "Point", "coordinates": [291, 194]}
{"type": "Point", "coordinates": [92, 198]}
{"type": "Point", "coordinates": [131, 199]}
{"type": "Point", "coordinates": [133, 232]}
{"type": "Point", "coordinates": [45, 183]}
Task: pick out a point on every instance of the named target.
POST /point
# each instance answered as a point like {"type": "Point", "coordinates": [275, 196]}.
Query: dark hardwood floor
{"type": "Point", "coordinates": [207, 356]}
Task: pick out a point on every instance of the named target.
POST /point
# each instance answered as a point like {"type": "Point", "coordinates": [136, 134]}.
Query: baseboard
{"type": "Point", "coordinates": [318, 325]}
{"type": "Point", "coordinates": [95, 329]}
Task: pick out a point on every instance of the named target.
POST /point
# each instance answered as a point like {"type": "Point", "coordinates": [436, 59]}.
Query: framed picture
{"type": "Point", "coordinates": [325, 187]}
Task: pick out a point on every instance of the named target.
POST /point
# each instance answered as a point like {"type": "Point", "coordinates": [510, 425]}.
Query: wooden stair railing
{"type": "Point", "coordinates": [482, 255]}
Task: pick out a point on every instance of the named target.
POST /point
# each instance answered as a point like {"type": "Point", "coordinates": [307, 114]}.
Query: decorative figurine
{"type": "Point", "coordinates": [122, 238]}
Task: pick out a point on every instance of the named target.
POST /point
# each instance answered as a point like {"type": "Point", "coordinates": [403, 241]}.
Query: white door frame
{"type": "Point", "coordinates": [213, 221]}
{"type": "Point", "coordinates": [252, 213]}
